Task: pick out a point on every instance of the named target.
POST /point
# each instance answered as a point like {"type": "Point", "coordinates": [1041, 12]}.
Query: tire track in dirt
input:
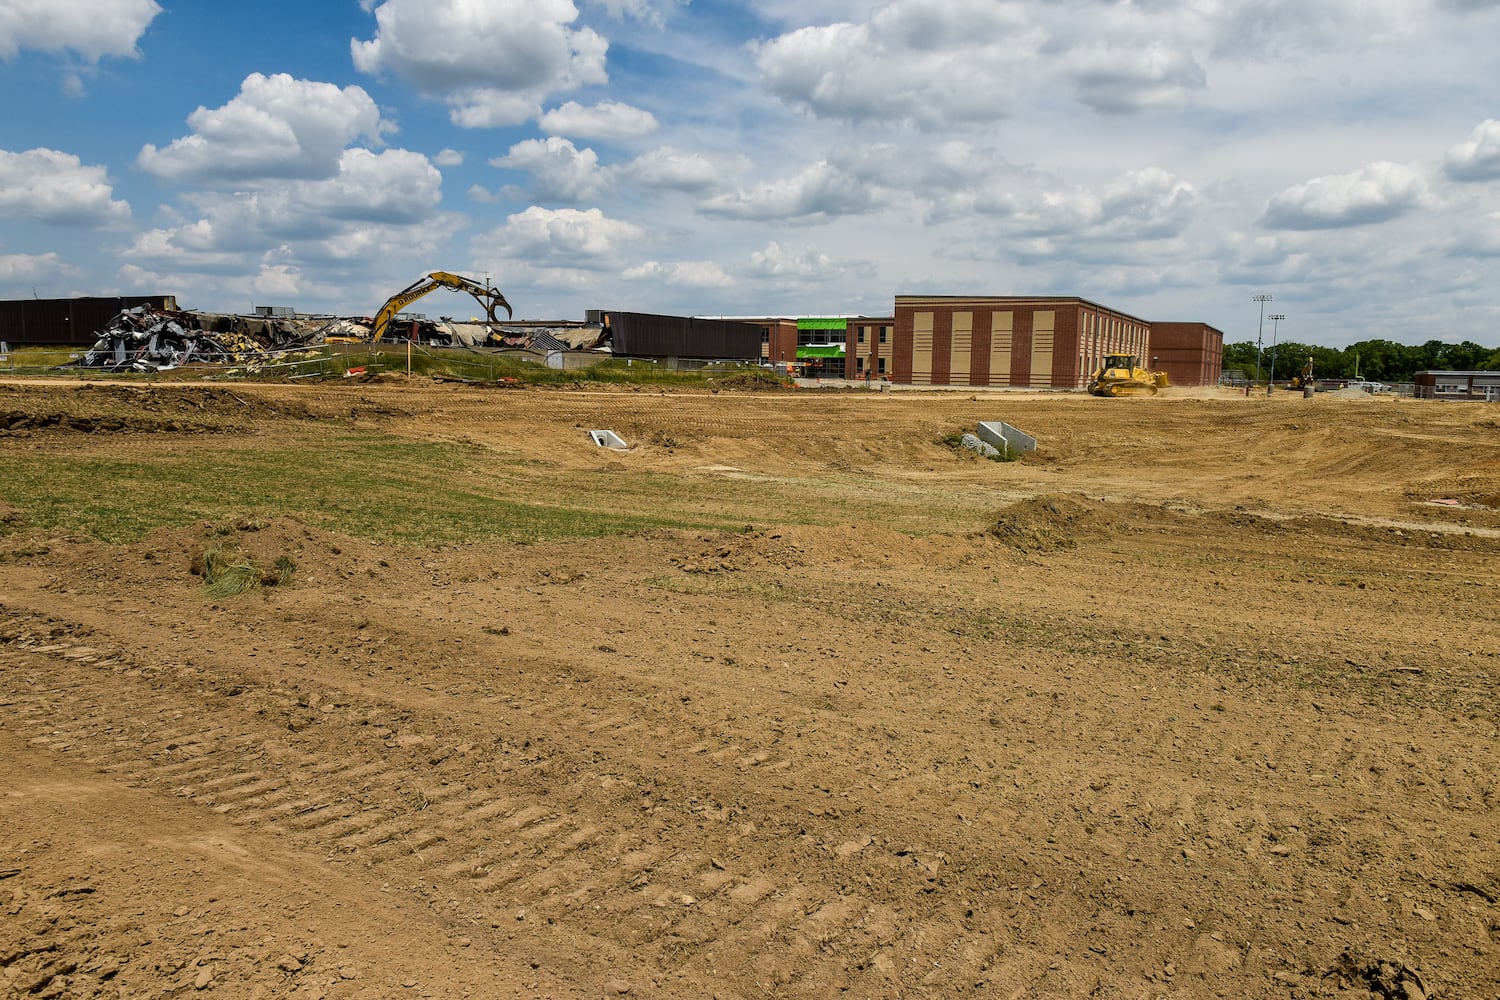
{"type": "Point", "coordinates": [575, 861]}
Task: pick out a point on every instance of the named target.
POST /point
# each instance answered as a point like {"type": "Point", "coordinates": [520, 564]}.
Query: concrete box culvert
{"type": "Point", "coordinates": [1005, 438]}
{"type": "Point", "coordinates": [608, 439]}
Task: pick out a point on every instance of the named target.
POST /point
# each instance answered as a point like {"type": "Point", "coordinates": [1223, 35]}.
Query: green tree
{"type": "Point", "coordinates": [1466, 356]}
{"type": "Point", "coordinates": [1240, 356]}
{"type": "Point", "coordinates": [1327, 362]}
{"type": "Point", "coordinates": [1379, 360]}
{"type": "Point", "coordinates": [1287, 358]}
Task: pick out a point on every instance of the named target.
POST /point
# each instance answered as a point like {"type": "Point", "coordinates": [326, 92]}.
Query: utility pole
{"type": "Point", "coordinates": [1260, 329]}
{"type": "Point", "coordinates": [1275, 319]}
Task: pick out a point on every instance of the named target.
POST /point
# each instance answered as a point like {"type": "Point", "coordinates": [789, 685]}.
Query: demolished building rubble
{"type": "Point", "coordinates": [149, 339]}
{"type": "Point", "coordinates": [145, 339]}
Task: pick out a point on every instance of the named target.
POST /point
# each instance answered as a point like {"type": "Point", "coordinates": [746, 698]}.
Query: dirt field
{"type": "Point", "coordinates": [1200, 700]}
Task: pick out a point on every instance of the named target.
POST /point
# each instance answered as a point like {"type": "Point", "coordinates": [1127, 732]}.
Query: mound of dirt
{"type": "Point", "coordinates": [852, 545]}
{"type": "Point", "coordinates": [89, 409]}
{"type": "Point", "coordinates": [21, 423]}
{"type": "Point", "coordinates": [757, 550]}
{"type": "Point", "coordinates": [1052, 523]}
{"type": "Point", "coordinates": [753, 383]}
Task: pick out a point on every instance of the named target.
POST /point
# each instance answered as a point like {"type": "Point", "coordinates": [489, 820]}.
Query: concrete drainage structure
{"type": "Point", "coordinates": [1004, 438]}
{"type": "Point", "coordinates": [608, 439]}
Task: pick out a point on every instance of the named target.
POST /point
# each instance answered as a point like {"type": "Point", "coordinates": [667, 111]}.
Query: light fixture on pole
{"type": "Point", "coordinates": [1260, 329]}
{"type": "Point", "coordinates": [1275, 319]}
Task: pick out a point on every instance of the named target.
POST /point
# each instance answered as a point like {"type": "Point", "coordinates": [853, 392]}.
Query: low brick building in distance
{"type": "Point", "coordinates": [1037, 342]}
{"type": "Point", "coordinates": [1473, 385]}
{"type": "Point", "coordinates": [1190, 353]}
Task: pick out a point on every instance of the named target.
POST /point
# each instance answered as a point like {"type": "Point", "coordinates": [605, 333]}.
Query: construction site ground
{"type": "Point", "coordinates": [789, 699]}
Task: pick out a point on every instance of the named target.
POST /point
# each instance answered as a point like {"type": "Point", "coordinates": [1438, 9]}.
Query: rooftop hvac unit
{"type": "Point", "coordinates": [284, 312]}
{"type": "Point", "coordinates": [593, 316]}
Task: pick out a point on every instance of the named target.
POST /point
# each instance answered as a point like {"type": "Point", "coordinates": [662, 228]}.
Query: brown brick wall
{"type": "Point", "coordinates": [1191, 354]}
{"type": "Point", "coordinates": [1068, 369]}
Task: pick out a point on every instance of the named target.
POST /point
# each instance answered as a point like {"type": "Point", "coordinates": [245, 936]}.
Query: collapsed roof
{"type": "Point", "coordinates": [146, 338]}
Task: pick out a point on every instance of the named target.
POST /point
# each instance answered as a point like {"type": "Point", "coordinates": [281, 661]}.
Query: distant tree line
{"type": "Point", "coordinates": [1376, 360]}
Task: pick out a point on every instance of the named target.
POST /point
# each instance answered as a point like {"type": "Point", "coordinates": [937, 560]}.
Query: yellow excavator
{"type": "Point", "coordinates": [487, 296]}
{"type": "Point", "coordinates": [1122, 375]}
{"type": "Point", "coordinates": [1305, 378]}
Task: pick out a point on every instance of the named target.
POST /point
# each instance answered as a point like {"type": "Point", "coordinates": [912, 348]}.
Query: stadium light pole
{"type": "Point", "coordinates": [1260, 329]}
{"type": "Point", "coordinates": [1275, 319]}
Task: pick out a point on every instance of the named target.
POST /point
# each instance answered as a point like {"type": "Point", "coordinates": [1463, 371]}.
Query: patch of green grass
{"type": "Point", "coordinates": [37, 360]}
{"type": "Point", "coordinates": [483, 366]}
{"type": "Point", "coordinates": [368, 486]}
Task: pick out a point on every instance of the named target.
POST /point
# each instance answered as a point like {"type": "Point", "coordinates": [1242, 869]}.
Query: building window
{"type": "Point", "coordinates": [881, 363]}
{"type": "Point", "coordinates": [885, 332]}
{"type": "Point", "coordinates": [821, 338]}
{"type": "Point", "coordinates": [861, 334]}
{"type": "Point", "coordinates": [765, 335]}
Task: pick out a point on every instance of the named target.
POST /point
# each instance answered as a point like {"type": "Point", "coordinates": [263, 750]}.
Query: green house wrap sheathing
{"type": "Point", "coordinates": [820, 352]}
{"type": "Point", "coordinates": [822, 324]}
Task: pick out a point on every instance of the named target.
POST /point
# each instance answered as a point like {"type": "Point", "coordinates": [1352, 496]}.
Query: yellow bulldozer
{"type": "Point", "coordinates": [1122, 375]}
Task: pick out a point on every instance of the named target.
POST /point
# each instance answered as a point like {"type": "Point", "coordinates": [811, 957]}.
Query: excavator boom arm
{"type": "Point", "coordinates": [488, 297]}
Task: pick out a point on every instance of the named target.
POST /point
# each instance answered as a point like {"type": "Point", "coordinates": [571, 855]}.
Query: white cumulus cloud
{"type": "Point", "coordinates": [390, 190]}
{"type": "Point", "coordinates": [1376, 193]}
{"type": "Point", "coordinates": [1477, 159]}
{"type": "Point", "coordinates": [608, 120]}
{"type": "Point", "coordinates": [494, 62]}
{"type": "Point", "coordinates": [1149, 76]}
{"type": "Point", "coordinates": [91, 28]}
{"type": "Point", "coordinates": [671, 169]}
{"type": "Point", "coordinates": [819, 191]}
{"type": "Point", "coordinates": [45, 185]}
{"type": "Point", "coordinates": [277, 127]}
{"type": "Point", "coordinates": [928, 62]}
{"type": "Point", "coordinates": [581, 238]}
{"type": "Point", "coordinates": [777, 261]}
{"type": "Point", "coordinates": [1147, 204]}
{"type": "Point", "coordinates": [681, 274]}
{"type": "Point", "coordinates": [560, 171]}
{"type": "Point", "coordinates": [394, 186]}
{"type": "Point", "coordinates": [18, 269]}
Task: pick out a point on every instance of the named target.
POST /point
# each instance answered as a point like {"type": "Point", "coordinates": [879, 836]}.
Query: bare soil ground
{"type": "Point", "coordinates": [1199, 700]}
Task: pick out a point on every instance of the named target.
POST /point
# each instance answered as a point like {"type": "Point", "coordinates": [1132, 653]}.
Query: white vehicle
{"type": "Point", "coordinates": [1371, 387]}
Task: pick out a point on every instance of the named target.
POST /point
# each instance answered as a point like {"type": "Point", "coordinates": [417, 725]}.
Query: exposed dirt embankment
{"type": "Point", "coordinates": [1198, 701]}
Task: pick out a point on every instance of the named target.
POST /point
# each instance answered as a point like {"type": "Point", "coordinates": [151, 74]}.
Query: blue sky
{"type": "Point", "coordinates": [1171, 158]}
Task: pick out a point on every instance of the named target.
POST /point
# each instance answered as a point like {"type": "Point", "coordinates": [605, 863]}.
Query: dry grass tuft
{"type": "Point", "coordinates": [227, 571]}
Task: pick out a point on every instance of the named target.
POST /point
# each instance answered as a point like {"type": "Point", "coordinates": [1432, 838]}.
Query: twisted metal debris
{"type": "Point", "coordinates": [146, 339]}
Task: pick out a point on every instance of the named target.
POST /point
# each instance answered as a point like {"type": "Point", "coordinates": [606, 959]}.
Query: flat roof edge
{"type": "Point", "coordinates": [1016, 300]}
